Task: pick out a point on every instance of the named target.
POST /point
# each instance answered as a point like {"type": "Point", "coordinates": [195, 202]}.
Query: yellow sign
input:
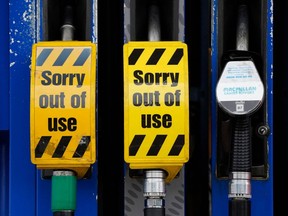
{"type": "Point", "coordinates": [62, 106]}
{"type": "Point", "coordinates": [156, 104]}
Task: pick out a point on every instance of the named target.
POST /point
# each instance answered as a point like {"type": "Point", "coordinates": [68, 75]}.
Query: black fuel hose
{"type": "Point", "coordinates": [154, 211]}
{"type": "Point", "coordinates": [63, 213]}
{"type": "Point", "coordinates": [240, 207]}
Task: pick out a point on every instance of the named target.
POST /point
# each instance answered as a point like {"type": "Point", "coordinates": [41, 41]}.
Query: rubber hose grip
{"type": "Point", "coordinates": [241, 155]}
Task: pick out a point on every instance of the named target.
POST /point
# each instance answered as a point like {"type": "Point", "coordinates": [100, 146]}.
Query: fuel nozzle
{"type": "Point", "coordinates": [154, 180]}
{"type": "Point", "coordinates": [240, 93]}
{"type": "Point", "coordinates": [64, 182]}
{"type": "Point", "coordinates": [154, 192]}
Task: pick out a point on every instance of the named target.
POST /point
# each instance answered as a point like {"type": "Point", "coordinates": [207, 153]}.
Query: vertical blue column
{"type": "Point", "coordinates": [262, 190]}
{"type": "Point", "coordinates": [4, 108]}
{"type": "Point", "coordinates": [4, 66]}
{"type": "Point", "coordinates": [22, 172]}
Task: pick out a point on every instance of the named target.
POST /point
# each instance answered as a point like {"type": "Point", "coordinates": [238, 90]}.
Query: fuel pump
{"type": "Point", "coordinates": [156, 110]}
{"type": "Point", "coordinates": [62, 112]}
{"type": "Point", "coordinates": [240, 93]}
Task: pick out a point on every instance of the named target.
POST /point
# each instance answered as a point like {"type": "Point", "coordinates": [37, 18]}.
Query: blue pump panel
{"type": "Point", "coordinates": [4, 66]}
{"type": "Point", "coordinates": [4, 107]}
{"type": "Point", "coordinates": [262, 175]}
{"type": "Point", "coordinates": [29, 194]}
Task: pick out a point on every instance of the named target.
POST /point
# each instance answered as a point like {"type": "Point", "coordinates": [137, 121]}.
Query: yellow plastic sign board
{"type": "Point", "coordinates": [62, 106]}
{"type": "Point", "coordinates": [156, 104]}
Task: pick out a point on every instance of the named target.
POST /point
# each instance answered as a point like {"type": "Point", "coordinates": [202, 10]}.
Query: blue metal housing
{"type": "Point", "coordinates": [262, 190]}
{"type": "Point", "coordinates": [4, 66]}
{"type": "Point", "coordinates": [4, 107]}
{"type": "Point", "coordinates": [29, 195]}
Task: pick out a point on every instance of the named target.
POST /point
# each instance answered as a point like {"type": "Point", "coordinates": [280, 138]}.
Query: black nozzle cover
{"type": "Point", "coordinates": [239, 207]}
{"type": "Point", "coordinates": [154, 212]}
{"type": "Point", "coordinates": [241, 55]}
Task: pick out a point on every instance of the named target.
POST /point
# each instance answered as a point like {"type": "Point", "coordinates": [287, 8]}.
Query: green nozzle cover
{"type": "Point", "coordinates": [63, 193]}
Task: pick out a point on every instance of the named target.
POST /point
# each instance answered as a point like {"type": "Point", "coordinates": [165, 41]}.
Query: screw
{"type": "Point", "coordinates": [263, 130]}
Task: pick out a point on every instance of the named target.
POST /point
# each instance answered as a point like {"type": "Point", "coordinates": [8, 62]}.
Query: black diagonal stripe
{"type": "Point", "coordinates": [43, 56]}
{"type": "Point", "coordinates": [82, 146]}
{"type": "Point", "coordinates": [156, 145]}
{"type": "Point", "coordinates": [176, 58]}
{"type": "Point", "coordinates": [62, 145]}
{"type": "Point", "coordinates": [63, 57]}
{"type": "Point", "coordinates": [135, 144]}
{"type": "Point", "coordinates": [82, 57]}
{"type": "Point", "coordinates": [156, 55]}
{"type": "Point", "coordinates": [134, 56]}
{"type": "Point", "coordinates": [41, 146]}
{"type": "Point", "coordinates": [177, 146]}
